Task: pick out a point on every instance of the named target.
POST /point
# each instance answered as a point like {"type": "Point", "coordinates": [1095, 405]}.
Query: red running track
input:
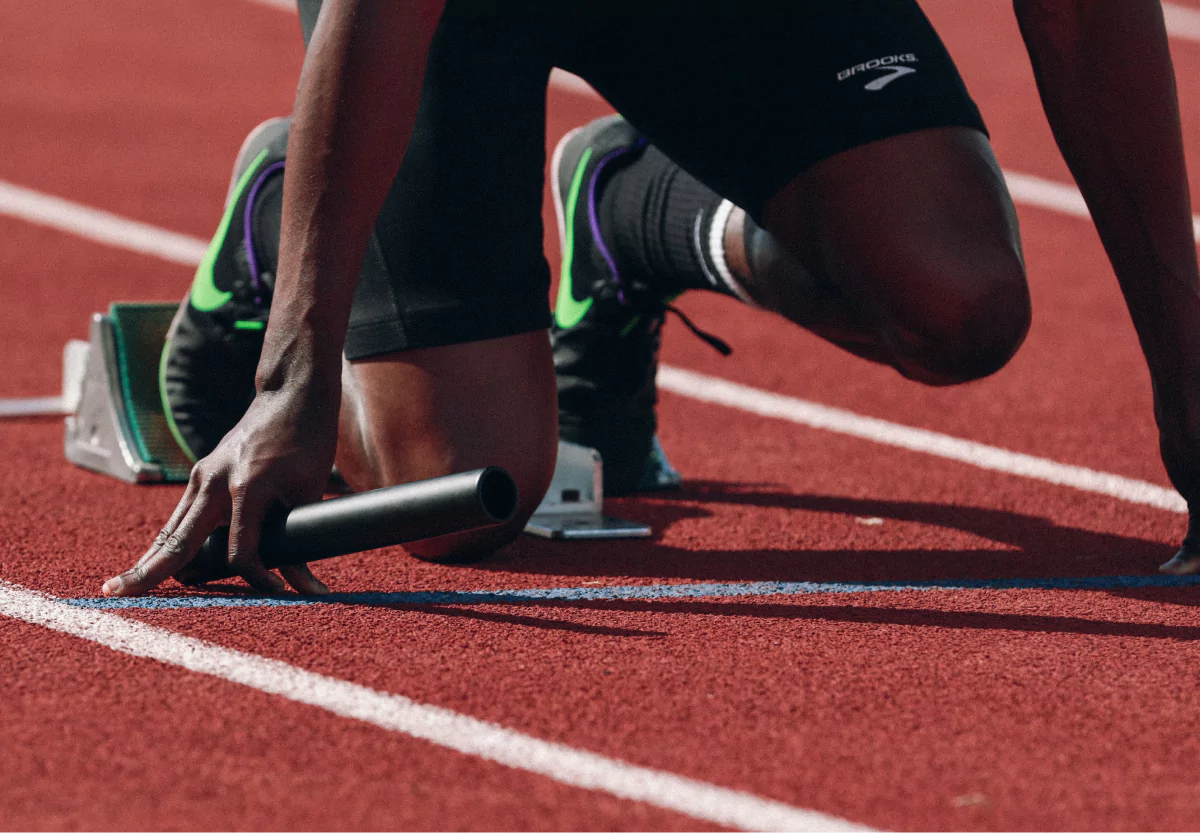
{"type": "Point", "coordinates": [1031, 709]}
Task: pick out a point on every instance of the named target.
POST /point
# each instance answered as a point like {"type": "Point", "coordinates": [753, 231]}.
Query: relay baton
{"type": "Point", "coordinates": [367, 520]}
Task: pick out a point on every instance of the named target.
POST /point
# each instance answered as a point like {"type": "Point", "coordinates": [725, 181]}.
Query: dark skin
{"type": "Point", "coordinates": [1119, 131]}
{"type": "Point", "coordinates": [343, 152]}
{"type": "Point", "coordinates": [1105, 75]}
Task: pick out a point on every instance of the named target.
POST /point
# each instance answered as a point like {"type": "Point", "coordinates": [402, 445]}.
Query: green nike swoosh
{"type": "Point", "coordinates": [569, 311]}
{"type": "Point", "coordinates": [206, 297]}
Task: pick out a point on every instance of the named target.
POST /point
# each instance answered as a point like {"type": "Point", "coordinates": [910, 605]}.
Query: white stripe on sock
{"type": "Point", "coordinates": [717, 252]}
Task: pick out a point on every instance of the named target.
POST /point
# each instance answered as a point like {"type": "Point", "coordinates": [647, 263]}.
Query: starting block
{"type": "Point", "coordinates": [115, 425]}
{"type": "Point", "coordinates": [574, 504]}
{"type": "Point", "coordinates": [118, 427]}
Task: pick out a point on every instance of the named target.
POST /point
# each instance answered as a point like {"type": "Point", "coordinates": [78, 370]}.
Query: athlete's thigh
{"type": "Point", "coordinates": [845, 129]}
{"type": "Point", "coordinates": [457, 250]}
{"type": "Point", "coordinates": [747, 101]}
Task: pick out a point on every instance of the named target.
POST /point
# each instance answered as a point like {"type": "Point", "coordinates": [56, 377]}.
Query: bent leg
{"type": "Point", "coordinates": [844, 130]}
{"type": "Point", "coordinates": [448, 363]}
{"type": "Point", "coordinates": [429, 412]}
{"type": "Point", "coordinates": [904, 251]}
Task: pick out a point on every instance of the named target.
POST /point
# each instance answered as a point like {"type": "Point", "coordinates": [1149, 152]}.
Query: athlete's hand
{"type": "Point", "coordinates": [280, 453]}
{"type": "Point", "coordinates": [1177, 415]}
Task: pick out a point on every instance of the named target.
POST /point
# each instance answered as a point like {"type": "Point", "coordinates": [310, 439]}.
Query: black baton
{"type": "Point", "coordinates": [367, 520]}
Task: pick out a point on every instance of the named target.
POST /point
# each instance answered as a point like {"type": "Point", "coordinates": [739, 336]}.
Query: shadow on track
{"type": "Point", "coordinates": [1030, 546]}
{"type": "Point", "coordinates": [818, 610]}
{"type": "Point", "coordinates": [917, 617]}
{"type": "Point", "coordinates": [526, 621]}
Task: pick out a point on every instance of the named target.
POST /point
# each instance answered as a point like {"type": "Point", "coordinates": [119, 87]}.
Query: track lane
{"type": "Point", "coordinates": [163, 748]}
{"type": "Point", "coordinates": [792, 697]}
{"type": "Point", "coordinates": [140, 106]}
{"type": "Point", "coordinates": [749, 529]}
{"type": "Point", "coordinates": [80, 522]}
{"type": "Point", "coordinates": [667, 658]}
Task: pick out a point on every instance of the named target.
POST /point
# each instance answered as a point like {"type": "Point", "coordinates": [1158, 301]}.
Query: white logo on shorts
{"type": "Point", "coordinates": [892, 65]}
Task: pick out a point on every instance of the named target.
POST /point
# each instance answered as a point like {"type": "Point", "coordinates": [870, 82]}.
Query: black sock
{"type": "Point", "coordinates": [657, 219]}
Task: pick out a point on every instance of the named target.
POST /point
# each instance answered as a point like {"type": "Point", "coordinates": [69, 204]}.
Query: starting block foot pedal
{"type": "Point", "coordinates": [118, 427]}
{"type": "Point", "coordinates": [573, 508]}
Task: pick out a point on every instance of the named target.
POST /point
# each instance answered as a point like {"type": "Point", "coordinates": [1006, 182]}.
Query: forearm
{"type": "Point", "coordinates": [1108, 88]}
{"type": "Point", "coordinates": [356, 105]}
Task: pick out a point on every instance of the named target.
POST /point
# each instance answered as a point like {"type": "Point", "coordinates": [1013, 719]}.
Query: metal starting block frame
{"type": "Point", "coordinates": [574, 504]}
{"type": "Point", "coordinates": [118, 426]}
{"type": "Point", "coordinates": [115, 425]}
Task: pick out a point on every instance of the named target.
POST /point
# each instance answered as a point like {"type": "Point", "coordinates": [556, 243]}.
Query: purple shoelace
{"type": "Point", "coordinates": [248, 228]}
{"type": "Point", "coordinates": [594, 223]}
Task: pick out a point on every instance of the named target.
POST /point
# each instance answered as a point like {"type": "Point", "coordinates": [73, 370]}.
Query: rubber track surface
{"type": "Point", "coordinates": [959, 709]}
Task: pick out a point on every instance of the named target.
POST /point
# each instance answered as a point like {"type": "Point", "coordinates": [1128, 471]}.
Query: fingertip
{"type": "Point", "coordinates": [319, 588]}
{"type": "Point", "coordinates": [1183, 564]}
{"type": "Point", "coordinates": [266, 582]}
{"type": "Point", "coordinates": [312, 587]}
{"type": "Point", "coordinates": [303, 580]}
{"type": "Point", "coordinates": [111, 587]}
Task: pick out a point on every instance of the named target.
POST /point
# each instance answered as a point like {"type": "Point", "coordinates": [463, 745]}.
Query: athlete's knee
{"type": "Point", "coordinates": [971, 327]}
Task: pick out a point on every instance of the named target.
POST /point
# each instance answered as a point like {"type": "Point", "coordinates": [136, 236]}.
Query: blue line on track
{"type": "Point", "coordinates": [636, 592]}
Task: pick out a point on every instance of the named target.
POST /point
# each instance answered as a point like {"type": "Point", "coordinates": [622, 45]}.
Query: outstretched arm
{"type": "Point", "coordinates": [355, 110]}
{"type": "Point", "coordinates": [1105, 76]}
{"type": "Point", "coordinates": [356, 105]}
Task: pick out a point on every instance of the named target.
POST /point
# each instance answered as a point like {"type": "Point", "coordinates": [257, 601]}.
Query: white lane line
{"type": "Point", "coordinates": [442, 727]}
{"type": "Point", "coordinates": [36, 406]}
{"type": "Point", "coordinates": [180, 248]}
{"type": "Point", "coordinates": [1182, 22]}
{"type": "Point", "coordinates": [1044, 193]}
{"type": "Point", "coordinates": [752, 400]}
{"type": "Point", "coordinates": [100, 226]}
{"type": "Point", "coordinates": [1056, 196]}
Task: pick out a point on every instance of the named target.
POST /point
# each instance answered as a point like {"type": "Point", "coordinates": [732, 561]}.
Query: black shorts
{"type": "Point", "coordinates": [745, 102]}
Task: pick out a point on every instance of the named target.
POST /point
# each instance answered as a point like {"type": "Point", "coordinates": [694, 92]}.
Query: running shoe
{"type": "Point", "coordinates": [607, 324]}
{"type": "Point", "coordinates": [206, 373]}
